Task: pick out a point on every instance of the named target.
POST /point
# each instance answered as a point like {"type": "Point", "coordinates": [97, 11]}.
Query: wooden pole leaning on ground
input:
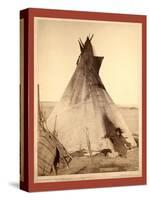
{"type": "Point", "coordinates": [88, 145]}
{"type": "Point", "coordinates": [40, 114]}
{"type": "Point", "coordinates": [54, 131]}
{"type": "Point", "coordinates": [38, 95]}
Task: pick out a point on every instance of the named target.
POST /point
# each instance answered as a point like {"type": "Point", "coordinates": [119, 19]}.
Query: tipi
{"type": "Point", "coordinates": [86, 110]}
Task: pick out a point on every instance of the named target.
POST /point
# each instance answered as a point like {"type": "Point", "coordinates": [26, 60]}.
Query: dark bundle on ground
{"type": "Point", "coordinates": [106, 151]}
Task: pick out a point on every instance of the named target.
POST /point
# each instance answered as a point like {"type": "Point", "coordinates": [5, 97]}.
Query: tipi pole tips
{"type": "Point", "coordinates": [81, 47]}
{"type": "Point", "coordinates": [90, 37]}
{"type": "Point", "coordinates": [81, 42]}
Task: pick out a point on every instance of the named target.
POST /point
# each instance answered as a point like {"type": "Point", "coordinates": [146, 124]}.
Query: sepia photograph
{"type": "Point", "coordinates": [87, 99]}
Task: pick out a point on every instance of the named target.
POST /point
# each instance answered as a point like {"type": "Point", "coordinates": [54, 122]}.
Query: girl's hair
{"type": "Point", "coordinates": [119, 130]}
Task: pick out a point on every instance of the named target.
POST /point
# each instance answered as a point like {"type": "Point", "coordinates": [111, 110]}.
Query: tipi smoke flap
{"type": "Point", "coordinates": [86, 110]}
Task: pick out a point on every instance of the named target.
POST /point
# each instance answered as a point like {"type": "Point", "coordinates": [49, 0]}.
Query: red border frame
{"type": "Point", "coordinates": [28, 15]}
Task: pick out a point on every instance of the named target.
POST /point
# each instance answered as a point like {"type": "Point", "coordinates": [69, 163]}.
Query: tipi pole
{"type": "Point", "coordinates": [39, 107]}
{"type": "Point", "coordinates": [88, 145]}
{"type": "Point", "coordinates": [54, 131]}
{"type": "Point", "coordinates": [39, 110]}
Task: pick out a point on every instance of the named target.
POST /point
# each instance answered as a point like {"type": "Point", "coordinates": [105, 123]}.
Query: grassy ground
{"type": "Point", "coordinates": [102, 164]}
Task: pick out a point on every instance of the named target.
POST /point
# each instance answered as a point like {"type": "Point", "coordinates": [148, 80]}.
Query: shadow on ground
{"type": "Point", "coordinates": [14, 184]}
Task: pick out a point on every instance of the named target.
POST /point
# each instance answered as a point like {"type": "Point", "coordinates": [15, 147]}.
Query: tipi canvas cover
{"type": "Point", "coordinates": [86, 111]}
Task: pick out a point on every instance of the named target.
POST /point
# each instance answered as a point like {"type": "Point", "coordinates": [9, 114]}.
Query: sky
{"type": "Point", "coordinates": [57, 50]}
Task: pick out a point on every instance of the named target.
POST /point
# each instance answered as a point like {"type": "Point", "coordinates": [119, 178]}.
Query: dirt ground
{"type": "Point", "coordinates": [102, 164]}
